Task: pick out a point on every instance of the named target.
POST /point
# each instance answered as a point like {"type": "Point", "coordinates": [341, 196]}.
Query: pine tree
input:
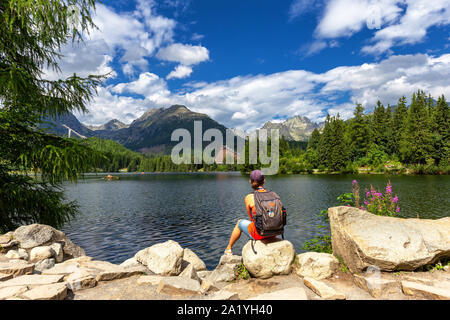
{"type": "Point", "coordinates": [314, 140]}
{"type": "Point", "coordinates": [416, 143]}
{"type": "Point", "coordinates": [31, 35]}
{"type": "Point", "coordinates": [338, 154]}
{"type": "Point", "coordinates": [358, 133]}
{"type": "Point", "coordinates": [389, 130]}
{"type": "Point", "coordinates": [325, 144]}
{"type": "Point", "coordinates": [378, 127]}
{"type": "Point", "coordinates": [398, 125]}
{"type": "Point", "coordinates": [440, 127]}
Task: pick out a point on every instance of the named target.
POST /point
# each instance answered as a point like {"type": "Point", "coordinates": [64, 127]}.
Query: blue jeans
{"type": "Point", "coordinates": [243, 226]}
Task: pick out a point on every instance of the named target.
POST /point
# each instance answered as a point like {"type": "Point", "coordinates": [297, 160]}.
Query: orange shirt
{"type": "Point", "coordinates": [250, 206]}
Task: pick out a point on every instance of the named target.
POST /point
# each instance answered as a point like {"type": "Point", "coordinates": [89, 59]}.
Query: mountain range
{"type": "Point", "coordinates": [296, 128]}
{"type": "Point", "coordinates": [151, 132]}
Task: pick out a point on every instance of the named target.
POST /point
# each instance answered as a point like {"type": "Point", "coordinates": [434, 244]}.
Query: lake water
{"type": "Point", "coordinates": [120, 217]}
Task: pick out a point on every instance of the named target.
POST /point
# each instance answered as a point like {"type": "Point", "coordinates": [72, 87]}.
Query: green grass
{"type": "Point", "coordinates": [439, 265]}
{"type": "Point", "coordinates": [342, 266]}
{"type": "Point", "coordinates": [242, 272]}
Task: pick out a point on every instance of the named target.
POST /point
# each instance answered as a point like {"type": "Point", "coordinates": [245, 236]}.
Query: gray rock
{"type": "Point", "coordinates": [9, 292]}
{"type": "Point", "coordinates": [35, 235]}
{"type": "Point", "coordinates": [6, 238]}
{"type": "Point", "coordinates": [106, 271]}
{"type": "Point", "coordinates": [363, 239]}
{"type": "Point", "coordinates": [44, 264]}
{"type": "Point", "coordinates": [316, 265]}
{"type": "Point", "coordinates": [162, 258]}
{"type": "Point", "coordinates": [31, 280]}
{"type": "Point", "coordinates": [323, 290]}
{"type": "Point", "coordinates": [203, 274]}
{"type": "Point", "coordinates": [132, 262]}
{"type": "Point", "coordinates": [207, 285]}
{"type": "Point", "coordinates": [375, 285]}
{"type": "Point", "coordinates": [17, 254]}
{"type": "Point", "coordinates": [55, 291]}
{"type": "Point", "coordinates": [41, 253]}
{"type": "Point", "coordinates": [65, 268]}
{"type": "Point", "coordinates": [16, 268]}
{"type": "Point", "coordinates": [178, 286]}
{"type": "Point", "coordinates": [80, 280]}
{"type": "Point", "coordinates": [10, 245]}
{"type": "Point", "coordinates": [428, 292]}
{"type": "Point", "coordinates": [274, 257]}
{"type": "Point", "coordinates": [193, 259]}
{"type": "Point", "coordinates": [225, 270]}
{"type": "Point", "coordinates": [171, 285]}
{"type": "Point", "coordinates": [189, 272]}
{"type": "Point", "coordinates": [59, 252]}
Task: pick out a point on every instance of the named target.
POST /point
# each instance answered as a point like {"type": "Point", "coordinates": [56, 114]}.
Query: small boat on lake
{"type": "Point", "coordinates": [110, 177]}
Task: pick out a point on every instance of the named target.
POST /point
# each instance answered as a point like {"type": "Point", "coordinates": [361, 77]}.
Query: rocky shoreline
{"type": "Point", "coordinates": [376, 258]}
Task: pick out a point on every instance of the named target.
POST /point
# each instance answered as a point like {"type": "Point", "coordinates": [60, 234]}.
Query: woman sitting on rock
{"type": "Point", "coordinates": [257, 181]}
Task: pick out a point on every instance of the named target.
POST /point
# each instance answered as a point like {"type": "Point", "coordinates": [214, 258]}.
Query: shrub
{"type": "Point", "coordinates": [377, 203]}
{"type": "Point", "coordinates": [241, 272]}
{"type": "Point", "coordinates": [350, 168]}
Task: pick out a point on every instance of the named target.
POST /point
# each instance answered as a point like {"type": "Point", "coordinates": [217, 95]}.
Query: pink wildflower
{"type": "Point", "coordinates": [388, 189]}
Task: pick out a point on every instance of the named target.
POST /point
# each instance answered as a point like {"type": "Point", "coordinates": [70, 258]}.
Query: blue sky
{"type": "Point", "coordinates": [248, 62]}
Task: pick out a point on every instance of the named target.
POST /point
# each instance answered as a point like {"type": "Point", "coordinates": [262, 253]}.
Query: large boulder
{"type": "Point", "coordinates": [363, 239]}
{"type": "Point", "coordinates": [317, 265]}
{"type": "Point", "coordinates": [35, 235]}
{"type": "Point", "coordinates": [273, 257]}
{"type": "Point", "coordinates": [162, 258]}
{"type": "Point", "coordinates": [226, 269]}
{"type": "Point", "coordinates": [193, 259]}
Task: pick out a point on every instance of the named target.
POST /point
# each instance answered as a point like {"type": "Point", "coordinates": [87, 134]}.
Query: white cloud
{"type": "Point", "coordinates": [300, 7]}
{"type": "Point", "coordinates": [138, 34]}
{"type": "Point", "coordinates": [107, 106]}
{"type": "Point", "coordinates": [180, 72]}
{"type": "Point", "coordinates": [395, 22]}
{"type": "Point", "coordinates": [91, 57]}
{"type": "Point", "coordinates": [412, 27]}
{"type": "Point", "coordinates": [183, 53]}
{"type": "Point", "coordinates": [346, 17]}
{"type": "Point", "coordinates": [197, 37]}
{"type": "Point", "coordinates": [247, 102]}
{"type": "Point", "coordinates": [129, 37]}
{"type": "Point", "coordinates": [148, 84]}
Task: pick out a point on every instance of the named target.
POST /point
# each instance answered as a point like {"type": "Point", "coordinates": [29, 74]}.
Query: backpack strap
{"type": "Point", "coordinates": [253, 247]}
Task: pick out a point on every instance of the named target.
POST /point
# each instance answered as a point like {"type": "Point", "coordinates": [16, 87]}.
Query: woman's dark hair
{"type": "Point", "coordinates": [256, 184]}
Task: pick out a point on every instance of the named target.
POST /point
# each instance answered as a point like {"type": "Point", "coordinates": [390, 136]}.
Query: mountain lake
{"type": "Point", "coordinates": [199, 210]}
